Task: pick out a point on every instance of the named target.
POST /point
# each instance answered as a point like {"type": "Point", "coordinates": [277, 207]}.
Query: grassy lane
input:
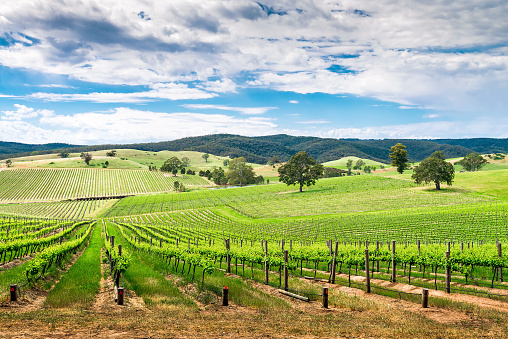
{"type": "Point", "coordinates": [146, 282]}
{"type": "Point", "coordinates": [240, 291]}
{"type": "Point", "coordinates": [78, 287]}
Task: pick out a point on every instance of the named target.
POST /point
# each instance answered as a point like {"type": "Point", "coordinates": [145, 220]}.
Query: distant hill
{"type": "Point", "coordinates": [9, 148]}
{"type": "Point", "coordinates": [261, 149]}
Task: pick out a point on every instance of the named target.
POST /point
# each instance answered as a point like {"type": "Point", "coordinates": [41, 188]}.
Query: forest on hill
{"type": "Point", "coordinates": [261, 149]}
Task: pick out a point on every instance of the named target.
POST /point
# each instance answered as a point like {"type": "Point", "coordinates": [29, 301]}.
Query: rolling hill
{"type": "Point", "coordinates": [261, 149]}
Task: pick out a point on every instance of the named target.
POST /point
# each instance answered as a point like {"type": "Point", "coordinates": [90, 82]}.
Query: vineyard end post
{"type": "Point", "coordinates": [425, 298]}
{"type": "Point", "coordinates": [325, 297]}
{"type": "Point", "coordinates": [14, 292]}
{"type": "Point", "coordinates": [225, 296]}
{"type": "Point", "coordinates": [119, 300]}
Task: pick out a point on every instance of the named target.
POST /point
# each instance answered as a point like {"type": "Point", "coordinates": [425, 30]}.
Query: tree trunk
{"type": "Point", "coordinates": [438, 185]}
{"type": "Point", "coordinates": [301, 186]}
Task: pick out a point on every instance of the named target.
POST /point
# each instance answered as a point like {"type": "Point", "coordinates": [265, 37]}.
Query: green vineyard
{"type": "Point", "coordinates": [18, 185]}
{"type": "Point", "coordinates": [155, 242]}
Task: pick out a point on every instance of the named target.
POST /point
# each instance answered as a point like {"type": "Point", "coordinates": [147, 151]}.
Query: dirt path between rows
{"type": "Point", "coordinates": [478, 301]}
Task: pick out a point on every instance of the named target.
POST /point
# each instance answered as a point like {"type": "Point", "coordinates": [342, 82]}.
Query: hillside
{"type": "Point", "coordinates": [261, 149]}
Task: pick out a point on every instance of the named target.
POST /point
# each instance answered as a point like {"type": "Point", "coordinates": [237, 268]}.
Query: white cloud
{"type": "Point", "coordinates": [242, 110]}
{"type": "Point", "coordinates": [405, 52]}
{"type": "Point", "coordinates": [293, 101]}
{"type": "Point", "coordinates": [313, 122]}
{"type": "Point", "coordinates": [431, 116]}
{"type": "Point", "coordinates": [411, 107]}
{"type": "Point", "coordinates": [125, 125]}
{"type": "Point", "coordinates": [22, 112]}
{"type": "Point", "coordinates": [158, 92]}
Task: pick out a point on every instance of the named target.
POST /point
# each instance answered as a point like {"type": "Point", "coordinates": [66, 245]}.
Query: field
{"type": "Point", "coordinates": [60, 229]}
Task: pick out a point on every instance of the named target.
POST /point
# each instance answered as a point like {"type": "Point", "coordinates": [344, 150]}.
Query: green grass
{"type": "Point", "coordinates": [140, 277]}
{"type": "Point", "coordinates": [492, 183]}
{"type": "Point", "coordinates": [341, 163]}
{"type": "Point", "coordinates": [124, 159]}
{"type": "Point", "coordinates": [79, 286]}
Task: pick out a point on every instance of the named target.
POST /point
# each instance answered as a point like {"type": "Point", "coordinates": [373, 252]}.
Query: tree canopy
{"type": "Point", "coordinates": [239, 173]}
{"type": "Point", "coordinates": [472, 162]}
{"type": "Point", "coordinates": [219, 176]}
{"type": "Point", "coordinates": [301, 169]}
{"type": "Point", "coordinates": [399, 157]}
{"type": "Point", "coordinates": [172, 165]}
{"type": "Point", "coordinates": [434, 169]}
{"type": "Point", "coordinates": [186, 161]}
{"type": "Point", "coordinates": [359, 163]}
{"type": "Point", "coordinates": [349, 165]}
{"type": "Point", "coordinates": [87, 157]}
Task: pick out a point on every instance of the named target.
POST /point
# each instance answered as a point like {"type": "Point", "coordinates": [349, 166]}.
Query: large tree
{"type": "Point", "coordinates": [172, 165]}
{"type": "Point", "coordinates": [434, 169]}
{"type": "Point", "coordinates": [87, 157]}
{"type": "Point", "coordinates": [399, 157]}
{"type": "Point", "coordinates": [301, 169]}
{"type": "Point", "coordinates": [239, 173]}
{"type": "Point", "coordinates": [473, 162]}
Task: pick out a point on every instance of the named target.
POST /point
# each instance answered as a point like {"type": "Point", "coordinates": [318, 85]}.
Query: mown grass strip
{"type": "Point", "coordinates": [146, 282]}
{"type": "Point", "coordinates": [79, 286]}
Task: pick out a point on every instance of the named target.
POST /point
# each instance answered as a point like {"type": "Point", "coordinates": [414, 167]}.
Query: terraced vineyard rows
{"type": "Point", "coordinates": [62, 210]}
{"type": "Point", "coordinates": [58, 184]}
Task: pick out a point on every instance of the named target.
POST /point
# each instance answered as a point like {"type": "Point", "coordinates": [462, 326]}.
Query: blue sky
{"type": "Point", "coordinates": [90, 72]}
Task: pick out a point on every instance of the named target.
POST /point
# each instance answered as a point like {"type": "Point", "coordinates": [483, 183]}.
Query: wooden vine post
{"type": "Point", "coordinates": [286, 275]}
{"type": "Point", "coordinates": [266, 262]}
{"type": "Point", "coordinates": [14, 292]}
{"type": "Point", "coordinates": [367, 274]}
{"type": "Point", "coordinates": [394, 266]}
{"type": "Point", "coordinates": [325, 297]}
{"type": "Point", "coordinates": [225, 296]}
{"type": "Point", "coordinates": [425, 298]}
{"type": "Point", "coordinates": [120, 296]}
{"type": "Point", "coordinates": [499, 254]}
{"type": "Point", "coordinates": [448, 272]}
{"type": "Point", "coordinates": [334, 262]}
{"type": "Point", "coordinates": [377, 261]}
{"type": "Point", "coordinates": [228, 258]}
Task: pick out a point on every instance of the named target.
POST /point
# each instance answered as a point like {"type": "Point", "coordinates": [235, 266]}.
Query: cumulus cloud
{"type": "Point", "coordinates": [448, 56]}
{"type": "Point", "coordinates": [22, 112]}
{"type": "Point", "coordinates": [122, 125]}
{"type": "Point", "coordinates": [158, 92]}
{"type": "Point", "coordinates": [407, 53]}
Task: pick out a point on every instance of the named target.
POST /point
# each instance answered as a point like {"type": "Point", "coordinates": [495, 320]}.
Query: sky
{"type": "Point", "coordinates": [109, 71]}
